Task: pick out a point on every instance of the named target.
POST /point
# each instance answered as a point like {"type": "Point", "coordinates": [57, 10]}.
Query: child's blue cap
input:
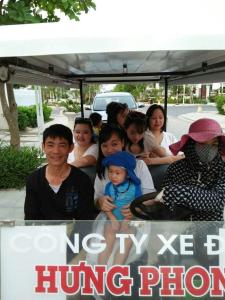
{"type": "Point", "coordinates": [125, 160]}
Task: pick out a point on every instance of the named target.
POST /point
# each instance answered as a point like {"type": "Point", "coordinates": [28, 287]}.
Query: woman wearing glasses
{"type": "Point", "coordinates": [85, 151]}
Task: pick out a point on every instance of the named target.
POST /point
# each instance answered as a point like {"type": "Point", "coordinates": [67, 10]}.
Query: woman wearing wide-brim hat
{"type": "Point", "coordinates": [198, 181]}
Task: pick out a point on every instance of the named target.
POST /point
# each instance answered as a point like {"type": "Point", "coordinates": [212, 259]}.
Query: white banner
{"type": "Point", "coordinates": [22, 249]}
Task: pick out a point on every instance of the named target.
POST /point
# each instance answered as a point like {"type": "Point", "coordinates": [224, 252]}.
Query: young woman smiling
{"type": "Point", "coordinates": [85, 149]}
{"type": "Point", "coordinates": [111, 140]}
{"type": "Point", "coordinates": [156, 122]}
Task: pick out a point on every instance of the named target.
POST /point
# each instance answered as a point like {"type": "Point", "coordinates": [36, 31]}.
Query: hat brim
{"type": "Point", "coordinates": [197, 137]}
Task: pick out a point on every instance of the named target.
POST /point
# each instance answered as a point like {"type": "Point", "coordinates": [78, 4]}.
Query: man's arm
{"type": "Point", "coordinates": [87, 209]}
{"type": "Point", "coordinates": [32, 202]}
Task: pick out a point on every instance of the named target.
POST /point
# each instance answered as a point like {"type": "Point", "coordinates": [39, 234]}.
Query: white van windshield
{"type": "Point", "coordinates": [100, 103]}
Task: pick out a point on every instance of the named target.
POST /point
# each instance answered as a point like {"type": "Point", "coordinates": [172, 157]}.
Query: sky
{"type": "Point", "coordinates": [171, 16]}
{"type": "Point", "coordinates": [124, 25]}
{"type": "Point", "coordinates": [180, 16]}
{"type": "Point", "coordinates": [159, 19]}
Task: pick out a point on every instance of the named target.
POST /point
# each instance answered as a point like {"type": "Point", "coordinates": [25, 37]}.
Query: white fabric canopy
{"type": "Point", "coordinates": [152, 38]}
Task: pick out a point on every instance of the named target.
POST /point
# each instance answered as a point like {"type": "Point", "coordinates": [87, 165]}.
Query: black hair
{"type": "Point", "coordinates": [105, 134]}
{"type": "Point", "coordinates": [58, 130]}
{"type": "Point", "coordinates": [88, 122]}
{"type": "Point", "coordinates": [113, 109]}
{"type": "Point", "coordinates": [138, 119]}
{"type": "Point", "coordinates": [150, 112]}
{"type": "Point", "coordinates": [96, 118]}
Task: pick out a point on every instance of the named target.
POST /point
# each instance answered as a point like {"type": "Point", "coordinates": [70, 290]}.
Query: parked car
{"type": "Point", "coordinates": [102, 100]}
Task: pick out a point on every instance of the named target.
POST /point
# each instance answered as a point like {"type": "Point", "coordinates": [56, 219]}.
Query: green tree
{"type": "Point", "coordinates": [176, 91]}
{"type": "Point", "coordinates": [28, 11]}
{"type": "Point", "coordinates": [139, 91]}
{"type": "Point", "coordinates": [90, 91]}
{"type": "Point", "coordinates": [155, 94]}
{"type": "Point", "coordinates": [39, 11]}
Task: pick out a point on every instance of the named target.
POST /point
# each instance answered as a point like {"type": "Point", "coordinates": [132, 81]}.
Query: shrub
{"type": "Point", "coordinates": [212, 99]}
{"type": "Point", "coordinates": [47, 112]}
{"type": "Point", "coordinates": [23, 119]}
{"type": "Point", "coordinates": [71, 106]}
{"type": "Point", "coordinates": [220, 104]}
{"type": "Point", "coordinates": [171, 100]}
{"type": "Point", "coordinates": [32, 115]}
{"type": "Point", "coordinates": [17, 164]}
{"type": "Point", "coordinates": [27, 116]}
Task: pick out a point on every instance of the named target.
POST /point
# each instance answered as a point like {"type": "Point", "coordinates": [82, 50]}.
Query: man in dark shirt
{"type": "Point", "coordinates": [58, 191]}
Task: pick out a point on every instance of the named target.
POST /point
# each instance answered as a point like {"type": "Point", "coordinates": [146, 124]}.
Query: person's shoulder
{"type": "Point", "coordinates": [93, 146]}
{"type": "Point", "coordinates": [148, 133]}
{"type": "Point", "coordinates": [71, 157]}
{"type": "Point", "coordinates": [169, 135]}
{"type": "Point", "coordinates": [108, 184]}
{"type": "Point", "coordinates": [222, 164]}
{"type": "Point", "coordinates": [141, 169]}
{"type": "Point", "coordinates": [76, 171]}
{"type": "Point", "coordinates": [36, 176]}
{"type": "Point", "coordinates": [140, 164]}
{"type": "Point", "coordinates": [108, 187]}
{"type": "Point", "coordinates": [92, 150]}
{"type": "Point", "coordinates": [182, 163]}
{"type": "Point", "coordinates": [79, 174]}
{"type": "Point", "coordinates": [38, 172]}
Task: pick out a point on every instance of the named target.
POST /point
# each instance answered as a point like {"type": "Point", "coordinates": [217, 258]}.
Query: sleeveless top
{"type": "Point", "coordinates": [122, 194]}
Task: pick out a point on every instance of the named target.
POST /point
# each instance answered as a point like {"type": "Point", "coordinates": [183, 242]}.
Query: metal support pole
{"type": "Point", "coordinates": [81, 98]}
{"type": "Point", "coordinates": [166, 97]}
{"type": "Point", "coordinates": [39, 110]}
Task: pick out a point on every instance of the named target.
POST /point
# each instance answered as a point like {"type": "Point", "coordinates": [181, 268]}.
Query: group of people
{"type": "Point", "coordinates": [144, 135]}
{"type": "Point", "coordinates": [121, 150]}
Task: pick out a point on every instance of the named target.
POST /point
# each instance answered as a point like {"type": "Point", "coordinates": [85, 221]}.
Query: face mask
{"type": "Point", "coordinates": [206, 152]}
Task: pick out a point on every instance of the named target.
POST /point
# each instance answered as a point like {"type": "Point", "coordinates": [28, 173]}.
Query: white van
{"type": "Point", "coordinates": [102, 100]}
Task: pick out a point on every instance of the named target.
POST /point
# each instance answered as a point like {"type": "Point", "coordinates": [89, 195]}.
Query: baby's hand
{"type": "Point", "coordinates": [126, 212]}
{"type": "Point", "coordinates": [106, 203]}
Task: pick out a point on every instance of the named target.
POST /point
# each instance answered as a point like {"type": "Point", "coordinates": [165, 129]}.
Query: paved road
{"type": "Point", "coordinates": [177, 126]}
{"type": "Point", "coordinates": [176, 110]}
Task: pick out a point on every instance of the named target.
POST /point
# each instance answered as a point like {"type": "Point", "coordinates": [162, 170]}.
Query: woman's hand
{"type": "Point", "coordinates": [147, 160]}
{"type": "Point", "coordinates": [152, 154]}
{"type": "Point", "coordinates": [106, 203]}
{"type": "Point", "coordinates": [126, 212]}
{"type": "Point", "coordinates": [145, 155]}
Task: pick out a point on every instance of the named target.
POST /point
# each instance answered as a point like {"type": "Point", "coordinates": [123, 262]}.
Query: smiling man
{"type": "Point", "coordinates": [58, 191]}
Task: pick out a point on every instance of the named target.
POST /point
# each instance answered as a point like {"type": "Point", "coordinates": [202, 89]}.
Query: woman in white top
{"type": "Point", "coordinates": [85, 149]}
{"type": "Point", "coordinates": [111, 140]}
{"type": "Point", "coordinates": [156, 121]}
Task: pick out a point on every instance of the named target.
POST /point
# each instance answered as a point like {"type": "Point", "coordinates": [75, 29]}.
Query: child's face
{"type": "Point", "coordinates": [117, 175]}
{"type": "Point", "coordinates": [99, 125]}
{"type": "Point", "coordinates": [134, 135]}
{"type": "Point", "coordinates": [122, 116]}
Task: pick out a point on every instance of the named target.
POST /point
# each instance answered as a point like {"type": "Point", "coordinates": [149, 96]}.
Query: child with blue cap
{"type": "Point", "coordinates": [123, 188]}
{"type": "Point", "coordinates": [124, 185]}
